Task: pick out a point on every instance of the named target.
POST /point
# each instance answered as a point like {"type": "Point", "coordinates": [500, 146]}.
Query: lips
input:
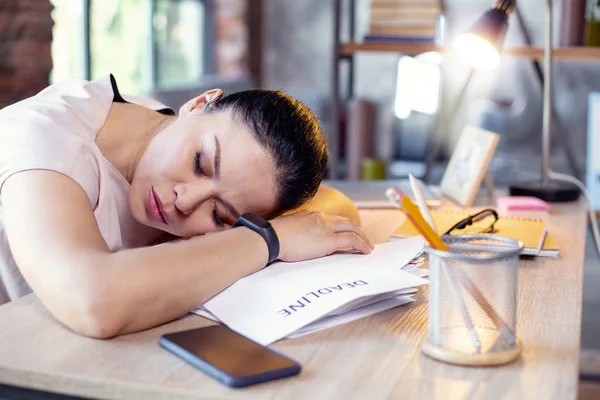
{"type": "Point", "coordinates": [155, 208]}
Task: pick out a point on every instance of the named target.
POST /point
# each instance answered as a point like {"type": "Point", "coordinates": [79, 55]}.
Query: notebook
{"type": "Point", "coordinates": [531, 231]}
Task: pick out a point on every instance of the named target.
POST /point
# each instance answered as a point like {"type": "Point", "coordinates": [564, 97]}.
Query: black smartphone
{"type": "Point", "coordinates": [229, 357]}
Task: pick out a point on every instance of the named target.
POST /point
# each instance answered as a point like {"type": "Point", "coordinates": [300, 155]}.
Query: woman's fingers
{"type": "Point", "coordinates": [307, 235]}
{"type": "Point", "coordinates": [346, 225]}
{"type": "Point", "coordinates": [350, 240]}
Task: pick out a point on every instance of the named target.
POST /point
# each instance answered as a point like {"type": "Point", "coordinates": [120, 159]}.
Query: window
{"type": "Point", "coordinates": [67, 40]}
{"type": "Point", "coordinates": [119, 42]}
{"type": "Point", "coordinates": [179, 42]}
{"type": "Point", "coordinates": [146, 44]}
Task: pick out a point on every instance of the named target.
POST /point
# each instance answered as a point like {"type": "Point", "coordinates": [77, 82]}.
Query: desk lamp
{"type": "Point", "coordinates": [480, 47]}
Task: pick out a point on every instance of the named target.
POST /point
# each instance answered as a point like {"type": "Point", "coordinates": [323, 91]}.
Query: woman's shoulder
{"type": "Point", "coordinates": [72, 106]}
{"type": "Point", "coordinates": [55, 130]}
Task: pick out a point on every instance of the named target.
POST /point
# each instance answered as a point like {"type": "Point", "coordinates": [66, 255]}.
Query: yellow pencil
{"type": "Point", "coordinates": [416, 218]}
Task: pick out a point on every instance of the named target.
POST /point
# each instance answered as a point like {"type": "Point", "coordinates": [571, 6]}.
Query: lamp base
{"type": "Point", "coordinates": [552, 192]}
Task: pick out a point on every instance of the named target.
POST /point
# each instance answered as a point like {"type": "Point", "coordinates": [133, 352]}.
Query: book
{"type": "Point", "coordinates": [398, 38]}
{"type": "Point", "coordinates": [404, 3]}
{"type": "Point", "coordinates": [402, 20]}
{"type": "Point", "coordinates": [414, 23]}
{"type": "Point", "coordinates": [550, 247]}
{"type": "Point", "coordinates": [531, 231]}
{"type": "Point", "coordinates": [290, 299]}
{"type": "Point", "coordinates": [410, 31]}
{"type": "Point", "coordinates": [402, 14]}
{"type": "Point", "coordinates": [403, 25]}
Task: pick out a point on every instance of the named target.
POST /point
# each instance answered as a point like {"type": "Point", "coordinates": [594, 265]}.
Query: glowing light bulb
{"type": "Point", "coordinates": [477, 51]}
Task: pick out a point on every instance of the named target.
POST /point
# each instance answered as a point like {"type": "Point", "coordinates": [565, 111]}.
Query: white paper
{"type": "Point", "coordinates": [353, 315]}
{"type": "Point", "coordinates": [351, 311]}
{"type": "Point", "coordinates": [201, 311]}
{"type": "Point", "coordinates": [355, 309]}
{"type": "Point", "coordinates": [285, 297]}
{"type": "Point", "coordinates": [363, 302]}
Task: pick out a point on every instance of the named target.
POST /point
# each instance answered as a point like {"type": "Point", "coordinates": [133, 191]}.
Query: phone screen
{"type": "Point", "coordinates": [229, 351]}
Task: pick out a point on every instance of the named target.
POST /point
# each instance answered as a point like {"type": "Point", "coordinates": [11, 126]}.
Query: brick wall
{"type": "Point", "coordinates": [231, 35]}
{"type": "Point", "coordinates": [25, 48]}
{"type": "Point", "coordinates": [238, 37]}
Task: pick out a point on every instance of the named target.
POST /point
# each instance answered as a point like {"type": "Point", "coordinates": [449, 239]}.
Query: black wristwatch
{"type": "Point", "coordinates": [264, 229]}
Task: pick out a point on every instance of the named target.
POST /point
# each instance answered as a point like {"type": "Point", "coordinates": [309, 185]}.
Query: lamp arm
{"type": "Point", "coordinates": [547, 111]}
{"type": "Point", "coordinates": [505, 5]}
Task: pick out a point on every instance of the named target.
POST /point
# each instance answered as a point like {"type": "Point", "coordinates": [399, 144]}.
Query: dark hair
{"type": "Point", "coordinates": [290, 132]}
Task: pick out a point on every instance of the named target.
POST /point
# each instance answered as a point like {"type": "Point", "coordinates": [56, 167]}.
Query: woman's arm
{"type": "Point", "coordinates": [57, 245]}
{"type": "Point", "coordinates": [332, 202]}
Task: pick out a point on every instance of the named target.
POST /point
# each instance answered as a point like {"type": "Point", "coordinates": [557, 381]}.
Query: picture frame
{"type": "Point", "coordinates": [592, 178]}
{"type": "Point", "coordinates": [468, 164]}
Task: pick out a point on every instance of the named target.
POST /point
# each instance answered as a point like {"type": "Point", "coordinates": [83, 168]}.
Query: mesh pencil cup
{"type": "Point", "coordinates": [473, 301]}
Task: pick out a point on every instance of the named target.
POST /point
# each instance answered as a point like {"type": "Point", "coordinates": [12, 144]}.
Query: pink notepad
{"type": "Point", "coordinates": [521, 203]}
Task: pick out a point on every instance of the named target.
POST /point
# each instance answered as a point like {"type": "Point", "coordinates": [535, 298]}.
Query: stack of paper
{"type": "Point", "coordinates": [292, 299]}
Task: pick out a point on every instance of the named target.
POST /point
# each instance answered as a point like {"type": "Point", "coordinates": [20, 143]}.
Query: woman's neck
{"type": "Point", "coordinates": [128, 130]}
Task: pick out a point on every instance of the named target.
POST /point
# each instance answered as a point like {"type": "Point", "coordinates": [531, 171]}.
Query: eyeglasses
{"type": "Point", "coordinates": [483, 215]}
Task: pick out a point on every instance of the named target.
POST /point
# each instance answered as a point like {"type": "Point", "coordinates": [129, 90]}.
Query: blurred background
{"type": "Point", "coordinates": [173, 50]}
{"type": "Point", "coordinates": [160, 48]}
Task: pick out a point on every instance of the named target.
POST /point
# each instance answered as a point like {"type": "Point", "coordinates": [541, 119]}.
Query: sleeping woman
{"type": "Point", "coordinates": [121, 215]}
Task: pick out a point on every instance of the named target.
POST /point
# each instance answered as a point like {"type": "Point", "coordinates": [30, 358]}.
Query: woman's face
{"type": "Point", "coordinates": [198, 173]}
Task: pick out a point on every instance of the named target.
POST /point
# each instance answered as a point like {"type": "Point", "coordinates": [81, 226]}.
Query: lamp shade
{"type": "Point", "coordinates": [480, 46]}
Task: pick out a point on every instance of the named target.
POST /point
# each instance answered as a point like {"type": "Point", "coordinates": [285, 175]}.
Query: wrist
{"type": "Point", "coordinates": [276, 224]}
{"type": "Point", "coordinates": [264, 229]}
{"type": "Point", "coordinates": [257, 246]}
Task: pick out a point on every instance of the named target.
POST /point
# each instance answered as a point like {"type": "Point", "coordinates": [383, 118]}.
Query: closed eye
{"type": "Point", "coordinates": [218, 220]}
{"type": "Point", "coordinates": [198, 165]}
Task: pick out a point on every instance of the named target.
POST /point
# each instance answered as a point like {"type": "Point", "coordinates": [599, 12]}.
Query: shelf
{"type": "Point", "coordinates": [560, 53]}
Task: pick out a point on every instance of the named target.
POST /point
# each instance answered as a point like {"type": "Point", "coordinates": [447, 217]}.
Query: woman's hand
{"type": "Point", "coordinates": [306, 235]}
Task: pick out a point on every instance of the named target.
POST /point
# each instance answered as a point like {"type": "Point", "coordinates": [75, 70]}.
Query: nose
{"type": "Point", "coordinates": [188, 196]}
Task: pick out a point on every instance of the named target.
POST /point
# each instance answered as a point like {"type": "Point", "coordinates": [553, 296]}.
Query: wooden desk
{"type": "Point", "coordinates": [376, 357]}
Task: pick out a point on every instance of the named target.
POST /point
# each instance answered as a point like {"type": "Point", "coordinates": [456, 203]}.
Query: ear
{"type": "Point", "coordinates": [198, 103]}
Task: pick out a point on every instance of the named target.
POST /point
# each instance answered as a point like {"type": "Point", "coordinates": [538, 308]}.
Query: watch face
{"type": "Point", "coordinates": [256, 220]}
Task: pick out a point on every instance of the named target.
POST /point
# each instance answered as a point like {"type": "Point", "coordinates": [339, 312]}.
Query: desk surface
{"type": "Point", "coordinates": [376, 357]}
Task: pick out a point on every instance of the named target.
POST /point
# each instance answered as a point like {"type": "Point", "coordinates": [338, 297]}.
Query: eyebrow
{"type": "Point", "coordinates": [217, 159]}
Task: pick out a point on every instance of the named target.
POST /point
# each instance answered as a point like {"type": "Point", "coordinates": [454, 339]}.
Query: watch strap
{"type": "Point", "coordinates": [264, 229]}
